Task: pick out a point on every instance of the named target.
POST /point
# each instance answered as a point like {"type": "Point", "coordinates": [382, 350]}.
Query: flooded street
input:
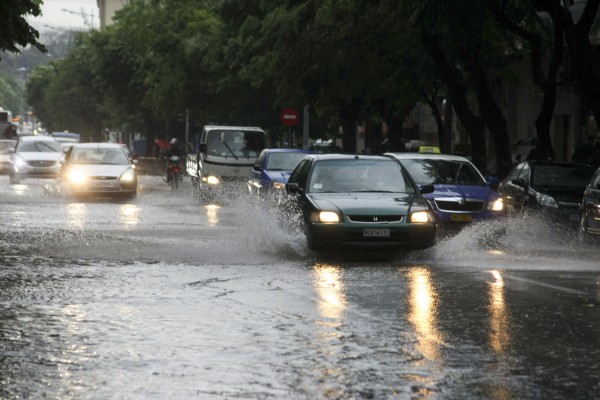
{"type": "Point", "coordinates": [166, 298]}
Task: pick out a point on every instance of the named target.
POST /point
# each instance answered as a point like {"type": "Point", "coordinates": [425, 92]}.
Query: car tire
{"type": "Point", "coordinates": [14, 179]}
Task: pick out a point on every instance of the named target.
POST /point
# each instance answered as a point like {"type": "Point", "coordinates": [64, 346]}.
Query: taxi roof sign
{"type": "Point", "coordinates": [429, 150]}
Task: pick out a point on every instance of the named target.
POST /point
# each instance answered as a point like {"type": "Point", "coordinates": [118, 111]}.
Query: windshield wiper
{"type": "Point", "coordinates": [229, 148]}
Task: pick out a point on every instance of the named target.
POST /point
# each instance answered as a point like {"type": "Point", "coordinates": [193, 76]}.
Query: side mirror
{"type": "Point", "coordinates": [257, 168]}
{"type": "Point", "coordinates": [426, 189]}
{"type": "Point", "coordinates": [293, 188]}
{"type": "Point", "coordinates": [519, 182]}
{"type": "Point", "coordinates": [493, 182]}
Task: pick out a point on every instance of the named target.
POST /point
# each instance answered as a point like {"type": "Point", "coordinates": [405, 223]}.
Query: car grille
{"type": "Point", "coordinates": [375, 218]}
{"type": "Point", "coordinates": [42, 163]}
{"type": "Point", "coordinates": [459, 205]}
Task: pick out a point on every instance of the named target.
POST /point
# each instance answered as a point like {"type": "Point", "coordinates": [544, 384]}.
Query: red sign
{"type": "Point", "coordinates": [289, 117]}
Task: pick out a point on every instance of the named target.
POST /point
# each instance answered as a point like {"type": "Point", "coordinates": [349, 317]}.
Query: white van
{"type": "Point", "coordinates": [225, 157]}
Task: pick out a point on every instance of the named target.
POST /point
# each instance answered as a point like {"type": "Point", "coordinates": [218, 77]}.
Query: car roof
{"type": "Point", "coordinates": [232, 128]}
{"type": "Point", "coordinates": [339, 156]}
{"type": "Point", "coordinates": [280, 150]}
{"type": "Point", "coordinates": [427, 156]}
{"type": "Point", "coordinates": [98, 145]}
{"type": "Point", "coordinates": [33, 138]}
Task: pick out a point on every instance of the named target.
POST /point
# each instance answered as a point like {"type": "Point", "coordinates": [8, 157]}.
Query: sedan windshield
{"type": "Point", "coordinates": [561, 175]}
{"type": "Point", "coordinates": [99, 156]}
{"type": "Point", "coordinates": [359, 175]}
{"type": "Point", "coordinates": [39, 146]}
{"type": "Point", "coordinates": [448, 172]}
{"type": "Point", "coordinates": [284, 161]}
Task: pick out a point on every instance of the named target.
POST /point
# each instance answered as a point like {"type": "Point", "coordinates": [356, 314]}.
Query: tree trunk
{"type": "Point", "coordinates": [348, 115]}
{"type": "Point", "coordinates": [450, 76]}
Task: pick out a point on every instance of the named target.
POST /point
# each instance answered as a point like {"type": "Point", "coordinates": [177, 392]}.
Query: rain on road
{"type": "Point", "coordinates": [163, 297]}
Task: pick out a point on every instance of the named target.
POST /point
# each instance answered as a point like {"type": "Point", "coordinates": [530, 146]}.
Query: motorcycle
{"type": "Point", "coordinates": [174, 173]}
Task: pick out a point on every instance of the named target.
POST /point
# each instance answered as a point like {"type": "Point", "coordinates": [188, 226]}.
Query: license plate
{"type": "Point", "coordinates": [372, 232]}
{"type": "Point", "coordinates": [103, 184]}
{"type": "Point", "coordinates": [461, 217]}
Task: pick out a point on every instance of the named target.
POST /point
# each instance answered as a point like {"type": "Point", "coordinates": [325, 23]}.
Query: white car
{"type": "Point", "coordinates": [5, 146]}
{"type": "Point", "coordinates": [98, 169]}
{"type": "Point", "coordinates": [35, 157]}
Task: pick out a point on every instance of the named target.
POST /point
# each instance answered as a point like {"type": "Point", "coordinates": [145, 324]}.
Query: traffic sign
{"type": "Point", "coordinates": [289, 116]}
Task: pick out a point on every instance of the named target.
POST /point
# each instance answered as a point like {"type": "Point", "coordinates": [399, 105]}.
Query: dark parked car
{"type": "Point", "coordinates": [354, 201]}
{"type": "Point", "coordinates": [553, 188]}
{"type": "Point", "coordinates": [589, 212]}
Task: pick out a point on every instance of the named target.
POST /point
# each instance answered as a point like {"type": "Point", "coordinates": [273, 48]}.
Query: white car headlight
{"type": "Point", "coordinates": [19, 162]}
{"type": "Point", "coordinates": [127, 176]}
{"type": "Point", "coordinates": [420, 217]}
{"type": "Point", "coordinates": [77, 177]}
{"type": "Point", "coordinates": [545, 200]}
{"type": "Point", "coordinates": [328, 217]}
{"type": "Point", "coordinates": [497, 205]}
{"type": "Point", "coordinates": [278, 185]}
{"type": "Point", "coordinates": [211, 180]}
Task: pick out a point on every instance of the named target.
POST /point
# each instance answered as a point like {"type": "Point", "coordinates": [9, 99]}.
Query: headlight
{"type": "Point", "coordinates": [420, 217]}
{"type": "Point", "coordinates": [127, 176]}
{"type": "Point", "coordinates": [497, 205]}
{"type": "Point", "coordinates": [211, 180]}
{"type": "Point", "coordinates": [278, 185]}
{"type": "Point", "coordinates": [19, 162]}
{"type": "Point", "coordinates": [328, 217]}
{"type": "Point", "coordinates": [546, 200]}
{"type": "Point", "coordinates": [77, 177]}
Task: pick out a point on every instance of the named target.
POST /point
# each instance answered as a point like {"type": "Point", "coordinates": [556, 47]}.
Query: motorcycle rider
{"type": "Point", "coordinates": [175, 149]}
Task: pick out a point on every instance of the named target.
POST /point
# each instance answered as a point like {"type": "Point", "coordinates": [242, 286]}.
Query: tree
{"type": "Point", "coordinates": [14, 29]}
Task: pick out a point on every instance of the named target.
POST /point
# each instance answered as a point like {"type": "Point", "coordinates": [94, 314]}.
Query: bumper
{"type": "Point", "coordinates": [26, 171]}
{"type": "Point", "coordinates": [322, 236]}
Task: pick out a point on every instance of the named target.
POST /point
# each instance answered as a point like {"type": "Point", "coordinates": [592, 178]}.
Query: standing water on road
{"type": "Point", "coordinates": [163, 297]}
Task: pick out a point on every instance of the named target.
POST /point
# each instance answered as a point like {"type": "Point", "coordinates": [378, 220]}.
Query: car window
{"type": "Point", "coordinates": [561, 175]}
{"type": "Point", "coordinates": [284, 161]}
{"type": "Point", "coordinates": [523, 173]}
{"type": "Point", "coordinates": [438, 171]}
{"type": "Point", "coordinates": [39, 146]}
{"type": "Point", "coordinates": [99, 156]}
{"type": "Point", "coordinates": [303, 171]}
{"type": "Point", "coordinates": [358, 175]}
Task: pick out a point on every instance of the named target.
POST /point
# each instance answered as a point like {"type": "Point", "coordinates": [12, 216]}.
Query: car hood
{"type": "Point", "coordinates": [463, 191]}
{"type": "Point", "coordinates": [102, 170]}
{"type": "Point", "coordinates": [562, 194]}
{"type": "Point", "coordinates": [40, 156]}
{"type": "Point", "coordinates": [279, 176]}
{"type": "Point", "coordinates": [371, 203]}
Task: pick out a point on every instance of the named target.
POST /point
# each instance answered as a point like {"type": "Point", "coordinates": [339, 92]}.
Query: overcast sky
{"type": "Point", "coordinates": [79, 14]}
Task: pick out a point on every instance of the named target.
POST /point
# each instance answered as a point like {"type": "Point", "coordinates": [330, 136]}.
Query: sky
{"type": "Point", "coordinates": [66, 14]}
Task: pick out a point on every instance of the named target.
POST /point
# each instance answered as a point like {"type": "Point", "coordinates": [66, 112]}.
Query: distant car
{"type": "Point", "coordinates": [552, 188]}
{"type": "Point", "coordinates": [35, 157]}
{"type": "Point", "coordinates": [589, 211]}
{"type": "Point", "coordinates": [98, 169]}
{"type": "Point", "coordinates": [5, 146]}
{"type": "Point", "coordinates": [461, 194]}
{"type": "Point", "coordinates": [351, 201]}
{"type": "Point", "coordinates": [272, 170]}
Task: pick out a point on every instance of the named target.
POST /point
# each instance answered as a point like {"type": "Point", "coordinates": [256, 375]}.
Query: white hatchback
{"type": "Point", "coordinates": [35, 157]}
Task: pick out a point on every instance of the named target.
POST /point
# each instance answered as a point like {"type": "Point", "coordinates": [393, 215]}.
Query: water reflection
{"type": "Point", "coordinates": [76, 213]}
{"type": "Point", "coordinates": [331, 291]}
{"type": "Point", "coordinates": [212, 214]}
{"type": "Point", "coordinates": [499, 335]}
{"type": "Point", "coordinates": [129, 215]}
{"type": "Point", "coordinates": [423, 312]}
